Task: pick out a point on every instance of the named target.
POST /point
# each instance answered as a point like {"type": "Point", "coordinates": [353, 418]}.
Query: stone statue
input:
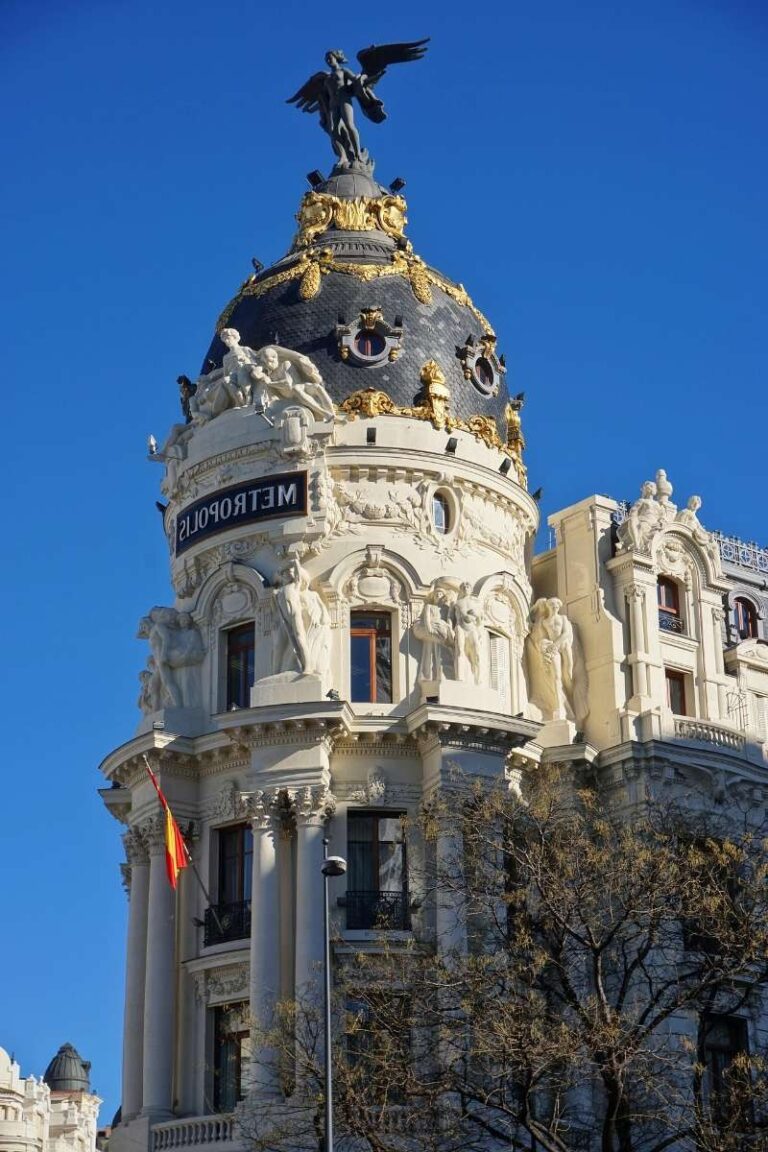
{"type": "Point", "coordinates": [556, 669]}
{"type": "Point", "coordinates": [331, 95]}
{"type": "Point", "coordinates": [435, 633]}
{"type": "Point", "coordinates": [177, 649]}
{"type": "Point", "coordinates": [469, 635]}
{"type": "Point", "coordinates": [292, 376]}
{"type": "Point", "coordinates": [646, 516]}
{"type": "Point", "coordinates": [306, 625]}
{"type": "Point", "coordinates": [229, 386]}
{"type": "Point", "coordinates": [689, 517]}
{"type": "Point", "coordinates": [151, 696]}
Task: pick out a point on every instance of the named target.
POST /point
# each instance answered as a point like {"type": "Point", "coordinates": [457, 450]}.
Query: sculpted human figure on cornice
{"type": "Point", "coordinates": [436, 633]}
{"type": "Point", "coordinates": [688, 517]}
{"type": "Point", "coordinates": [304, 637]}
{"type": "Point", "coordinates": [287, 375]}
{"type": "Point", "coordinates": [152, 694]}
{"type": "Point", "coordinates": [229, 386]}
{"type": "Point", "coordinates": [469, 635]}
{"type": "Point", "coordinates": [555, 662]}
{"type": "Point", "coordinates": [177, 648]}
{"type": "Point", "coordinates": [645, 518]}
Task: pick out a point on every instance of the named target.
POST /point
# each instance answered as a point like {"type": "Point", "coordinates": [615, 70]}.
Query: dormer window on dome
{"type": "Point", "coordinates": [370, 340]}
{"type": "Point", "coordinates": [481, 365]}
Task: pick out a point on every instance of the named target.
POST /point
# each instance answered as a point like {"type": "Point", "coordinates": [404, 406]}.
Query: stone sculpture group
{"type": "Point", "coordinates": [454, 630]}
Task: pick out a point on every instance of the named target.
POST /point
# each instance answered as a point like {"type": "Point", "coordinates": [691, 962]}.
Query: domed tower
{"type": "Point", "coordinates": [349, 526]}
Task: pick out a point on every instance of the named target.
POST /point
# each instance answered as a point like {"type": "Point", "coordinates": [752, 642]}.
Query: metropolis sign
{"type": "Point", "coordinates": [284, 495]}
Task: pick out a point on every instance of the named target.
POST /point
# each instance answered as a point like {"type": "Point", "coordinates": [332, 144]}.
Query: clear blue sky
{"type": "Point", "coordinates": [594, 173]}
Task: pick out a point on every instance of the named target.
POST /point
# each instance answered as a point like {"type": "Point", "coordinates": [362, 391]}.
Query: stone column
{"type": "Point", "coordinates": [450, 899]}
{"type": "Point", "coordinates": [137, 854]}
{"type": "Point", "coordinates": [265, 933]}
{"type": "Point", "coordinates": [314, 807]}
{"type": "Point", "coordinates": [635, 596]}
{"type": "Point", "coordinates": [159, 998]}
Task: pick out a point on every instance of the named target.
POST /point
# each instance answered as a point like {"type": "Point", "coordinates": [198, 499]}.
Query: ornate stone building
{"type": "Point", "coordinates": [55, 1114]}
{"type": "Point", "coordinates": [357, 617]}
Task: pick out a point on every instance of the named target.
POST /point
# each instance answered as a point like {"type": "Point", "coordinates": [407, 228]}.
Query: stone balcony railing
{"type": "Point", "coordinates": [194, 1132]}
{"type": "Point", "coordinates": [707, 733]}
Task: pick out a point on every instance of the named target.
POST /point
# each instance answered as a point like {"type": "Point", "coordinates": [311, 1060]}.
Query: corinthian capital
{"type": "Point", "coordinates": [136, 846]}
{"type": "Point", "coordinates": [314, 805]}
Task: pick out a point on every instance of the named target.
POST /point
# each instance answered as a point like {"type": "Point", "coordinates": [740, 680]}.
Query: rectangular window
{"type": "Point", "coordinates": [230, 917]}
{"type": "Point", "coordinates": [721, 1040]}
{"type": "Point", "coordinates": [371, 657]}
{"type": "Point", "coordinates": [676, 691]}
{"type": "Point", "coordinates": [240, 654]}
{"type": "Point", "coordinates": [231, 1055]}
{"type": "Point", "coordinates": [377, 887]}
{"type": "Point", "coordinates": [670, 616]}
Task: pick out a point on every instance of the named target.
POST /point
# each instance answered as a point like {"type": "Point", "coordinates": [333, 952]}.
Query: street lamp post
{"type": "Point", "coordinates": [332, 866]}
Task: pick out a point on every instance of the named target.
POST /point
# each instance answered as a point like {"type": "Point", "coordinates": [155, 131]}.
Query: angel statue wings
{"type": "Point", "coordinates": [331, 95]}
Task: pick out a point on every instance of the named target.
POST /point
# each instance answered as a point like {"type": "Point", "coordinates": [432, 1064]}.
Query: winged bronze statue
{"type": "Point", "coordinates": [331, 95]}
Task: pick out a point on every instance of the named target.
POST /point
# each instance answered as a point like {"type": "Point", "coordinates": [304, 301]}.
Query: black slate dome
{"type": "Point", "coordinates": [349, 255]}
{"type": "Point", "coordinates": [68, 1072]}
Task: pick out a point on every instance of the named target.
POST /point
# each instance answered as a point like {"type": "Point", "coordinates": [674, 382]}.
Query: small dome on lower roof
{"type": "Point", "coordinates": [68, 1072]}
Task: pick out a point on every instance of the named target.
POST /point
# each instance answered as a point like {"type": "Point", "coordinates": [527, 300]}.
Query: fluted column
{"type": "Point", "coordinates": [265, 934]}
{"type": "Point", "coordinates": [137, 854]}
{"type": "Point", "coordinates": [314, 807]}
{"type": "Point", "coordinates": [160, 980]}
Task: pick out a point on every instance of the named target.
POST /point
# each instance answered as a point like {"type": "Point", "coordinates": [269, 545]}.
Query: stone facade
{"type": "Point", "coordinates": [358, 621]}
{"type": "Point", "coordinates": [36, 1118]}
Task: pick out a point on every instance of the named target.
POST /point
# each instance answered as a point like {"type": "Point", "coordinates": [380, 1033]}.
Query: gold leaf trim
{"type": "Point", "coordinates": [410, 267]}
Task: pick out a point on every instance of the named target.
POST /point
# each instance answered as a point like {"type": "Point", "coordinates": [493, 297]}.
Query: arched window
{"type": "Point", "coordinates": [745, 618]}
{"type": "Point", "coordinates": [668, 592]}
{"type": "Point", "coordinates": [441, 513]}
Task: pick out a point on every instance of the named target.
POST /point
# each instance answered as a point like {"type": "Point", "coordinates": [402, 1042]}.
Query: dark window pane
{"type": "Point", "coordinates": [370, 343]}
{"type": "Point", "coordinates": [441, 513]}
{"type": "Point", "coordinates": [362, 672]}
{"type": "Point", "coordinates": [231, 1051]}
{"type": "Point", "coordinates": [746, 619]}
{"type": "Point", "coordinates": [676, 692]}
{"type": "Point", "coordinates": [383, 670]}
{"type": "Point", "coordinates": [371, 657]}
{"type": "Point", "coordinates": [240, 665]}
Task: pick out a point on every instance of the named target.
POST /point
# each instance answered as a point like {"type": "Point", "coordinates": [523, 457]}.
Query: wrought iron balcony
{"type": "Point", "coordinates": [671, 622]}
{"type": "Point", "coordinates": [377, 910]}
{"type": "Point", "coordinates": [225, 922]}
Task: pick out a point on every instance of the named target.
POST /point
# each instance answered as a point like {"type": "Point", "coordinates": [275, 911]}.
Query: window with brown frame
{"type": "Point", "coordinates": [241, 643]}
{"type": "Point", "coordinates": [676, 695]}
{"type": "Point", "coordinates": [371, 657]}
{"type": "Point", "coordinates": [668, 595]}
{"type": "Point", "coordinates": [745, 618]}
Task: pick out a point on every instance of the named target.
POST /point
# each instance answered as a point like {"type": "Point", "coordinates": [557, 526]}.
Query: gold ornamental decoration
{"type": "Point", "coordinates": [435, 407]}
{"type": "Point", "coordinates": [421, 277]}
{"type": "Point", "coordinates": [368, 403]}
{"type": "Point", "coordinates": [319, 211]}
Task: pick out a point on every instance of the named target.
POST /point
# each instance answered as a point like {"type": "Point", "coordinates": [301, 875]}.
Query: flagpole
{"type": "Point", "coordinates": [187, 852]}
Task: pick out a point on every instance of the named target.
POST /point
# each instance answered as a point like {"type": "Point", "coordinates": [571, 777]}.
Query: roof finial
{"type": "Point", "coordinates": [331, 95]}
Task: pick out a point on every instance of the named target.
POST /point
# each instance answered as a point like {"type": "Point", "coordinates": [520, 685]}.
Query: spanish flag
{"type": "Point", "coordinates": [176, 851]}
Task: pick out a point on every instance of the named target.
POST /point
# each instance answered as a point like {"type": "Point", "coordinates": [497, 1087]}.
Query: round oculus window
{"type": "Point", "coordinates": [484, 375]}
{"type": "Point", "coordinates": [371, 345]}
